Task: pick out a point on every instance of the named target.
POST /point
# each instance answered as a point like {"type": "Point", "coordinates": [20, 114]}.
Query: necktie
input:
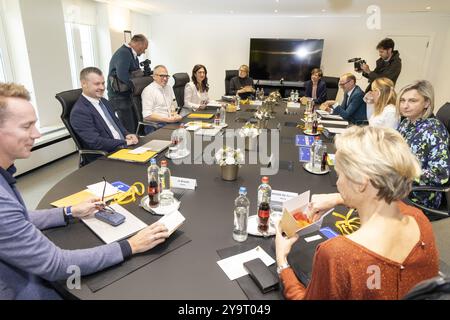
{"type": "Point", "coordinates": [110, 119]}
{"type": "Point", "coordinates": [344, 103]}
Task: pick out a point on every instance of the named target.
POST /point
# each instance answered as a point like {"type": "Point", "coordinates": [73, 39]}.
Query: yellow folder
{"type": "Point", "coordinates": [124, 155]}
{"type": "Point", "coordinates": [200, 116]}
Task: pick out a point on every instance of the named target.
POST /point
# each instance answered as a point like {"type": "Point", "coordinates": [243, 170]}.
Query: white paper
{"type": "Point", "coordinates": [97, 189]}
{"type": "Point", "coordinates": [139, 150]}
{"type": "Point", "coordinates": [234, 265]}
{"type": "Point", "coordinates": [256, 103]}
{"type": "Point", "coordinates": [291, 104]}
{"type": "Point", "coordinates": [109, 233]}
{"type": "Point", "coordinates": [214, 103]}
{"type": "Point", "coordinates": [192, 128]}
{"type": "Point", "coordinates": [332, 116]}
{"type": "Point", "coordinates": [336, 130]}
{"type": "Point", "coordinates": [208, 132]}
{"type": "Point", "coordinates": [313, 238]}
{"type": "Point", "coordinates": [282, 196]}
{"type": "Point", "coordinates": [172, 221]}
{"type": "Point", "coordinates": [183, 183]}
{"type": "Point", "coordinates": [297, 203]}
{"type": "Point", "coordinates": [342, 123]}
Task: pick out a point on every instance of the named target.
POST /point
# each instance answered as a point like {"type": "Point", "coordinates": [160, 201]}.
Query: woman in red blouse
{"type": "Point", "coordinates": [393, 250]}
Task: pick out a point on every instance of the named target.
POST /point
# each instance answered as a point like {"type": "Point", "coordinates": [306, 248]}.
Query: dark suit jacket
{"type": "Point", "coordinates": [92, 130]}
{"type": "Point", "coordinates": [355, 110]}
{"type": "Point", "coordinates": [321, 91]}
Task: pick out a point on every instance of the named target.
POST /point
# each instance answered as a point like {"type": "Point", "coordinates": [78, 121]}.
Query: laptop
{"type": "Point", "coordinates": [157, 145]}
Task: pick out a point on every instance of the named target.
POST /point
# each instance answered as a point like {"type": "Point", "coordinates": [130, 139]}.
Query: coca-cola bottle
{"type": "Point", "coordinates": [153, 184]}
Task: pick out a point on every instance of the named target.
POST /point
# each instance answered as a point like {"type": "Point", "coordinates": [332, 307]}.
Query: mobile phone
{"type": "Point", "coordinates": [110, 216]}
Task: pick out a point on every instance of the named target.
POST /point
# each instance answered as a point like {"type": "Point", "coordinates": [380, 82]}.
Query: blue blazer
{"type": "Point", "coordinates": [321, 91]}
{"type": "Point", "coordinates": [29, 261]}
{"type": "Point", "coordinates": [92, 130]}
{"type": "Point", "coordinates": [355, 110]}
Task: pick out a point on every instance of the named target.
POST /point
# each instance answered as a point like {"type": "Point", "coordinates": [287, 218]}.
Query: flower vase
{"type": "Point", "coordinates": [229, 172]}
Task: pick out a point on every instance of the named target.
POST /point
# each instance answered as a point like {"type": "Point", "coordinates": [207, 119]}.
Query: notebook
{"type": "Point", "coordinates": [125, 155]}
{"type": "Point", "coordinates": [156, 145]}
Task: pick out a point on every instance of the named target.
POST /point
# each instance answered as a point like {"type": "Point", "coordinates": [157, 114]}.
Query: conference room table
{"type": "Point", "coordinates": [191, 270]}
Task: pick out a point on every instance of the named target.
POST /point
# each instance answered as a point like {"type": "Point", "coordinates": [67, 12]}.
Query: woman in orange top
{"type": "Point", "coordinates": [393, 250]}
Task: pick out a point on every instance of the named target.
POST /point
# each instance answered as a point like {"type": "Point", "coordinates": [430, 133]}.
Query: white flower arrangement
{"type": "Point", "coordinates": [229, 156]}
{"type": "Point", "coordinates": [249, 130]}
{"type": "Point", "coordinates": [262, 115]}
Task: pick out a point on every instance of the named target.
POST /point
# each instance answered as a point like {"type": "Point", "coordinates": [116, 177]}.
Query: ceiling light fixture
{"type": "Point", "coordinates": [428, 8]}
{"type": "Point", "coordinates": [276, 11]}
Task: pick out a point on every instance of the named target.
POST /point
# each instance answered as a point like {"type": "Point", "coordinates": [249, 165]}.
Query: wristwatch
{"type": "Point", "coordinates": [282, 267]}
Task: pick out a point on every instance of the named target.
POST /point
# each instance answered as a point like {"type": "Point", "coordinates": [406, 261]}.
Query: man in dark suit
{"type": "Point", "coordinates": [353, 107]}
{"type": "Point", "coordinates": [92, 118]}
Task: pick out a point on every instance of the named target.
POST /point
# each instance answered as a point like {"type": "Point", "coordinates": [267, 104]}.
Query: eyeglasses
{"type": "Point", "coordinates": [343, 84]}
{"type": "Point", "coordinates": [163, 76]}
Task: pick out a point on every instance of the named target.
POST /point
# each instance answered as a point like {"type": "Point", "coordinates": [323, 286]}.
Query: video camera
{"type": "Point", "coordinates": [357, 63]}
{"type": "Point", "coordinates": [147, 70]}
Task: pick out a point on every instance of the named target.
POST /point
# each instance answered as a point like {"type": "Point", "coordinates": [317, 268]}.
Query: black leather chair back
{"type": "Point", "coordinates": [67, 100]}
{"type": "Point", "coordinates": [229, 74]}
{"type": "Point", "coordinates": [332, 87]}
{"type": "Point", "coordinates": [139, 84]}
{"type": "Point", "coordinates": [181, 79]}
{"type": "Point", "coordinates": [443, 115]}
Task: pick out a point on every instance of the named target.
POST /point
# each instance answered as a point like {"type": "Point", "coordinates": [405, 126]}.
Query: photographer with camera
{"type": "Point", "coordinates": [389, 65]}
{"type": "Point", "coordinates": [122, 65]}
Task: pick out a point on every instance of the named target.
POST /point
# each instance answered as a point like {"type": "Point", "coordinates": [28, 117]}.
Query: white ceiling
{"type": "Point", "coordinates": [283, 7]}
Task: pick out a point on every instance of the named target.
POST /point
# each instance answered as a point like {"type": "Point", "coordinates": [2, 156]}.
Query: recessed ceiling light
{"type": "Point", "coordinates": [428, 8]}
{"type": "Point", "coordinates": [323, 10]}
{"type": "Point", "coordinates": [190, 11]}
{"type": "Point", "coordinates": [276, 11]}
{"type": "Point", "coordinates": [277, 1]}
{"type": "Point", "coordinates": [231, 11]}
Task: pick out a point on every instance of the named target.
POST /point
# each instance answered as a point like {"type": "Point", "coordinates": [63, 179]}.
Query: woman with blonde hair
{"type": "Point", "coordinates": [427, 137]}
{"type": "Point", "coordinates": [375, 168]}
{"type": "Point", "coordinates": [381, 100]}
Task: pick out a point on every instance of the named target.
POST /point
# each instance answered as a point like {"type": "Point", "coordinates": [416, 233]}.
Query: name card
{"type": "Point", "coordinates": [282, 196]}
{"type": "Point", "coordinates": [183, 183]}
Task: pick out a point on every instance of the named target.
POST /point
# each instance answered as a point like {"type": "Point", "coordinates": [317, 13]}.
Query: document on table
{"type": "Point", "coordinates": [342, 123]}
{"type": "Point", "coordinates": [336, 130]}
{"type": "Point", "coordinates": [234, 265]}
{"type": "Point", "coordinates": [172, 221]}
{"type": "Point", "coordinates": [110, 233]}
{"type": "Point", "coordinates": [208, 132]}
{"type": "Point", "coordinates": [214, 103]}
{"type": "Point", "coordinates": [97, 189]}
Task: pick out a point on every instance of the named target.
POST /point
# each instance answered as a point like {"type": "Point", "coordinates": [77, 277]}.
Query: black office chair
{"type": "Point", "coordinates": [178, 88]}
{"type": "Point", "coordinates": [139, 84]}
{"type": "Point", "coordinates": [332, 87]}
{"type": "Point", "coordinates": [443, 211]}
{"type": "Point", "coordinates": [229, 74]}
{"type": "Point", "coordinates": [67, 100]}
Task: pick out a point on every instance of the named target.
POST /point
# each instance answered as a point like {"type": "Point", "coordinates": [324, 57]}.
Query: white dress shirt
{"type": "Point", "coordinates": [96, 104]}
{"type": "Point", "coordinates": [192, 97]}
{"type": "Point", "coordinates": [132, 50]}
{"type": "Point", "coordinates": [388, 118]}
{"type": "Point", "coordinates": [157, 99]}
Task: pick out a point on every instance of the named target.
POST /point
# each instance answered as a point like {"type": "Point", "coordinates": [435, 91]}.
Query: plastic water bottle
{"type": "Point", "coordinates": [292, 96]}
{"type": "Point", "coordinates": [264, 195]}
{"type": "Point", "coordinates": [223, 115]}
{"type": "Point", "coordinates": [153, 184]}
{"type": "Point", "coordinates": [257, 94]}
{"type": "Point", "coordinates": [296, 96]}
{"type": "Point", "coordinates": [238, 101]}
{"type": "Point", "coordinates": [166, 196]}
{"type": "Point", "coordinates": [241, 210]}
{"type": "Point", "coordinates": [217, 118]}
{"type": "Point", "coordinates": [317, 155]}
{"type": "Point", "coordinates": [312, 160]}
{"type": "Point", "coordinates": [179, 140]}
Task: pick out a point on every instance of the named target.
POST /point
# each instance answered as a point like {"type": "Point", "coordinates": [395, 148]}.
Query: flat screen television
{"type": "Point", "coordinates": [287, 59]}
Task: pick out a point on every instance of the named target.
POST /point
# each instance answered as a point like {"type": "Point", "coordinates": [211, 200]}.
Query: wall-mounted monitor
{"type": "Point", "coordinates": [287, 59]}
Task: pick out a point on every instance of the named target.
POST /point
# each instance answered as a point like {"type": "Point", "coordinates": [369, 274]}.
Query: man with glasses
{"type": "Point", "coordinates": [158, 100]}
{"type": "Point", "coordinates": [353, 107]}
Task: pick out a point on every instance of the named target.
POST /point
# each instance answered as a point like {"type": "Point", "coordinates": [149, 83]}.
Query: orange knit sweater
{"type": "Point", "coordinates": [343, 269]}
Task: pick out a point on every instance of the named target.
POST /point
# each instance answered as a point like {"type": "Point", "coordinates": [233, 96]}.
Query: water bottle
{"type": "Point", "coordinates": [217, 118]}
{"type": "Point", "coordinates": [166, 195]}
{"type": "Point", "coordinates": [238, 101]}
{"type": "Point", "coordinates": [292, 96]}
{"type": "Point", "coordinates": [153, 184]}
{"type": "Point", "coordinates": [223, 115]}
{"type": "Point", "coordinates": [241, 209]}
{"type": "Point", "coordinates": [296, 96]}
{"type": "Point", "coordinates": [257, 94]}
{"type": "Point", "coordinates": [263, 205]}
{"type": "Point", "coordinates": [313, 157]}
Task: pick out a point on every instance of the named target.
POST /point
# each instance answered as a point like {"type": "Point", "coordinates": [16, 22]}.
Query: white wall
{"type": "Point", "coordinates": [222, 41]}
{"type": "Point", "coordinates": [43, 23]}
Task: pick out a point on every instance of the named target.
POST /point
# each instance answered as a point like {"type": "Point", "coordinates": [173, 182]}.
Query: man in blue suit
{"type": "Point", "coordinates": [92, 118]}
{"type": "Point", "coordinates": [28, 259]}
{"type": "Point", "coordinates": [353, 107]}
